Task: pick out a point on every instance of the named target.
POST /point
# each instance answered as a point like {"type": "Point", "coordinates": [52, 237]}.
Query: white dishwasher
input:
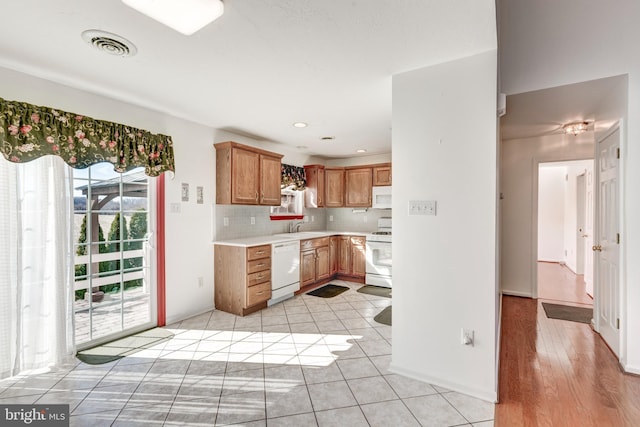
{"type": "Point", "coordinates": [285, 270]}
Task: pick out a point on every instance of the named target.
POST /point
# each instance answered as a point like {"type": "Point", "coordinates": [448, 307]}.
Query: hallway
{"type": "Point", "coordinates": [557, 372]}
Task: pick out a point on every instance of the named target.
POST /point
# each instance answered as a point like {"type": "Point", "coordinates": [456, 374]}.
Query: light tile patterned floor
{"type": "Point", "coordinates": [307, 361]}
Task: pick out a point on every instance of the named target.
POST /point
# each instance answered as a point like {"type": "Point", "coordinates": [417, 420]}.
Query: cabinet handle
{"type": "Point", "coordinates": [260, 276]}
{"type": "Point", "coordinates": [260, 253]}
{"type": "Point", "coordinates": [260, 293]}
{"type": "Point", "coordinates": [256, 196]}
{"type": "Point", "coordinates": [262, 197]}
{"type": "Point", "coordinates": [260, 265]}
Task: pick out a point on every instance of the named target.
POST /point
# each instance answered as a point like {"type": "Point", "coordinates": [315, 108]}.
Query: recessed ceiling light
{"type": "Point", "coordinates": [328, 138]}
{"type": "Point", "coordinates": [361, 150]}
{"type": "Point", "coordinates": [301, 147]}
{"type": "Point", "coordinates": [300, 125]}
{"type": "Point", "coordinates": [185, 16]}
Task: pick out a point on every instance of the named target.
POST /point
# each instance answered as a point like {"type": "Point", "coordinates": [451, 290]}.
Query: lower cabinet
{"type": "Point", "coordinates": [242, 278]}
{"type": "Point", "coordinates": [314, 260]}
{"type": "Point", "coordinates": [329, 257]}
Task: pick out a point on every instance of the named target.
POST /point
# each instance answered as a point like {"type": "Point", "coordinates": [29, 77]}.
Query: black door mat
{"type": "Point", "coordinates": [328, 291]}
{"type": "Point", "coordinates": [566, 312]}
{"type": "Point", "coordinates": [376, 290]}
{"type": "Point", "coordinates": [122, 347]}
{"type": "Point", "coordinates": [384, 316]}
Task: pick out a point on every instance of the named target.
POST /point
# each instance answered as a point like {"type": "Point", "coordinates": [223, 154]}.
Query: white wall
{"type": "Point", "coordinates": [551, 215]}
{"type": "Point", "coordinates": [188, 235]}
{"type": "Point", "coordinates": [444, 265]}
{"type": "Point", "coordinates": [548, 43]}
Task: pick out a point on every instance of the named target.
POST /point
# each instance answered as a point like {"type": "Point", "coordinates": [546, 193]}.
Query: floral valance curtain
{"type": "Point", "coordinates": [29, 131]}
{"type": "Point", "coordinates": [293, 176]}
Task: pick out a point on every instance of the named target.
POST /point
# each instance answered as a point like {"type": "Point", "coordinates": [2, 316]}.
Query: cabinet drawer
{"type": "Point", "coordinates": [257, 252]}
{"type": "Point", "coordinates": [258, 265]}
{"type": "Point", "coordinates": [259, 277]}
{"type": "Point", "coordinates": [259, 293]}
{"type": "Point", "coordinates": [314, 243]}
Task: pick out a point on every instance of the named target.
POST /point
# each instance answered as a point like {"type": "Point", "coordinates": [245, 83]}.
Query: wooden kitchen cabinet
{"type": "Point", "coordinates": [358, 256]}
{"type": "Point", "coordinates": [352, 256]}
{"type": "Point", "coordinates": [247, 175]}
{"type": "Point", "coordinates": [334, 254]}
{"type": "Point", "coordinates": [242, 278]}
{"type": "Point", "coordinates": [334, 187]}
{"type": "Point", "coordinates": [314, 261]}
{"type": "Point", "coordinates": [358, 184]}
{"type": "Point", "coordinates": [314, 195]}
{"type": "Point", "coordinates": [382, 174]}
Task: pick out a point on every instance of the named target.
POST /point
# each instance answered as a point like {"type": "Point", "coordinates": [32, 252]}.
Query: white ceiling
{"type": "Point", "coordinates": [544, 112]}
{"type": "Point", "coordinates": [262, 66]}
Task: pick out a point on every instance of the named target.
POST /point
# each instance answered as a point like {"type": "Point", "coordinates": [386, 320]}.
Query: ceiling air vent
{"type": "Point", "coordinates": [109, 43]}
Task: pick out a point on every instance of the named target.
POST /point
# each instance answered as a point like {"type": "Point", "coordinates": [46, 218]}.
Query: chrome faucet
{"type": "Point", "coordinates": [294, 227]}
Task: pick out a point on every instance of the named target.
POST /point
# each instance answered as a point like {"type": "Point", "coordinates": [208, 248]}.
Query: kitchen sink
{"type": "Point", "coordinates": [304, 234]}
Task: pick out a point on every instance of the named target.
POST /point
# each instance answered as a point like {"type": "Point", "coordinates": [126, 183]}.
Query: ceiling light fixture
{"type": "Point", "coordinates": [575, 128]}
{"type": "Point", "coordinates": [185, 16]}
{"type": "Point", "coordinates": [361, 150]}
{"type": "Point", "coordinates": [300, 125]}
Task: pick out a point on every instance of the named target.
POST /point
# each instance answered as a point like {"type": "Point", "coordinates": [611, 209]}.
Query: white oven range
{"type": "Point", "coordinates": [378, 269]}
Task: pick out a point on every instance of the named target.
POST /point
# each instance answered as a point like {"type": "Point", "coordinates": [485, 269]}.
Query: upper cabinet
{"type": "Point", "coordinates": [314, 194]}
{"type": "Point", "coordinates": [246, 175]}
{"type": "Point", "coordinates": [334, 187]}
{"type": "Point", "coordinates": [382, 174]}
{"type": "Point", "coordinates": [358, 182]}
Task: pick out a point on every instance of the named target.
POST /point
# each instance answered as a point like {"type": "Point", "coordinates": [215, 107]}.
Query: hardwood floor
{"type": "Point", "coordinates": [558, 284]}
{"type": "Point", "coordinates": [559, 373]}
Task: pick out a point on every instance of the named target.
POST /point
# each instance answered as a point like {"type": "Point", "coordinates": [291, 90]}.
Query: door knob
{"type": "Point", "coordinates": [597, 248]}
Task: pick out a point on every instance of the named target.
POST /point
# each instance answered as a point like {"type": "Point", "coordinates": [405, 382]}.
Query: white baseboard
{"type": "Point", "coordinates": [516, 293]}
{"type": "Point", "coordinates": [486, 395]}
{"type": "Point", "coordinates": [631, 369]}
{"type": "Point", "coordinates": [183, 316]}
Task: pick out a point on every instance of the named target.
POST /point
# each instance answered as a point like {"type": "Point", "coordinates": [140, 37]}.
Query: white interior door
{"type": "Point", "coordinates": [587, 236]}
{"type": "Point", "coordinates": [606, 247]}
{"type": "Point", "coordinates": [580, 222]}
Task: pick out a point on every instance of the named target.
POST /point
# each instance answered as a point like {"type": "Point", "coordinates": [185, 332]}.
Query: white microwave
{"type": "Point", "coordinates": [381, 197]}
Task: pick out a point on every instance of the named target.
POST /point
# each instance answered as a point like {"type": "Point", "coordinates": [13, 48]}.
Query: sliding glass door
{"type": "Point", "coordinates": [114, 255]}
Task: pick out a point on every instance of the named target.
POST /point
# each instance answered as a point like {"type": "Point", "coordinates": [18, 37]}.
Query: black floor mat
{"type": "Point", "coordinates": [567, 312]}
{"type": "Point", "coordinates": [384, 316]}
{"type": "Point", "coordinates": [328, 291]}
{"type": "Point", "coordinates": [375, 290]}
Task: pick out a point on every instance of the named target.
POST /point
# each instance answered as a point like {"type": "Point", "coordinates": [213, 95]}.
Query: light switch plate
{"type": "Point", "coordinates": [422, 207]}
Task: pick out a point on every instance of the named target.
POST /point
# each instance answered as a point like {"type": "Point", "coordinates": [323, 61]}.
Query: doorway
{"type": "Point", "coordinates": [114, 259]}
{"type": "Point", "coordinates": [562, 231]}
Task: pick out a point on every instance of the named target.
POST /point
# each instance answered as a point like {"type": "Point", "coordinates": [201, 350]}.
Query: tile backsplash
{"type": "Point", "coordinates": [239, 221]}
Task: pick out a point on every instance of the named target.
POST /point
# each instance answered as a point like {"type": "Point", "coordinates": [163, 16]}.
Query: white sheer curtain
{"type": "Point", "coordinates": [36, 265]}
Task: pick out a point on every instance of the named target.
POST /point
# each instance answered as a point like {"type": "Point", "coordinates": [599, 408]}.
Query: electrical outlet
{"type": "Point", "coordinates": [253, 220]}
{"type": "Point", "coordinates": [330, 218]}
{"type": "Point", "coordinates": [467, 337]}
{"type": "Point", "coordinates": [200, 281]}
{"type": "Point", "coordinates": [225, 221]}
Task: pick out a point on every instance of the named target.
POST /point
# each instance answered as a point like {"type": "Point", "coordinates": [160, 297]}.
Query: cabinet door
{"type": "Point", "coordinates": [381, 175]}
{"type": "Point", "coordinates": [334, 253]}
{"type": "Point", "coordinates": [358, 256]}
{"type": "Point", "coordinates": [344, 256]}
{"type": "Point", "coordinates": [270, 178]}
{"type": "Point", "coordinates": [245, 180]}
{"type": "Point", "coordinates": [314, 194]}
{"type": "Point", "coordinates": [334, 188]}
{"type": "Point", "coordinates": [307, 267]}
{"type": "Point", "coordinates": [358, 187]}
{"type": "Point", "coordinates": [322, 263]}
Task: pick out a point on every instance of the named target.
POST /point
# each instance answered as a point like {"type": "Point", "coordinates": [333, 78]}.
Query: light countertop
{"type": "Point", "coordinates": [283, 237]}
